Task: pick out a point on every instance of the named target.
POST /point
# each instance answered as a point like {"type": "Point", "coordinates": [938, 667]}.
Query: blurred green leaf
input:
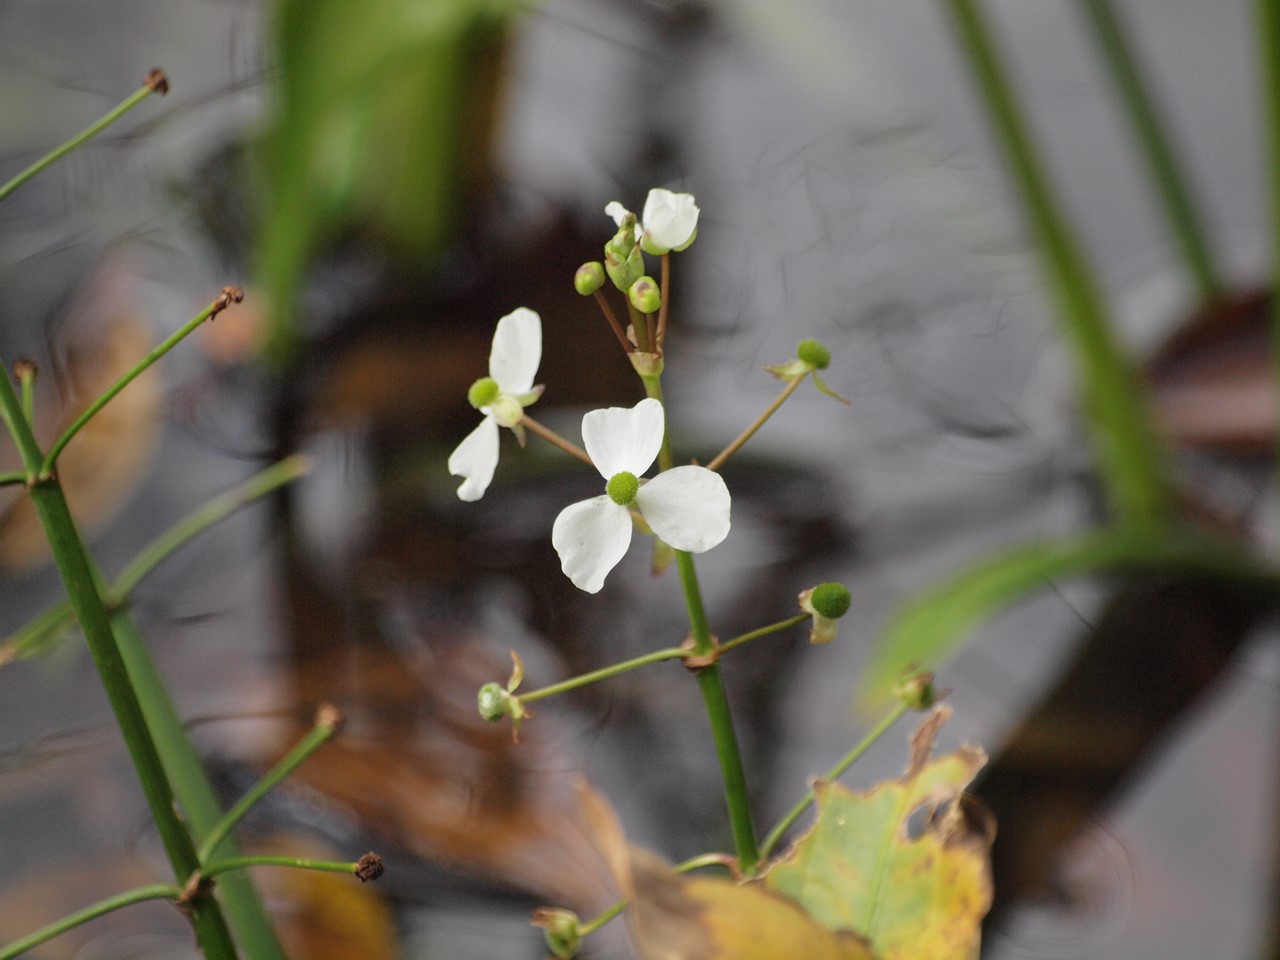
{"type": "Point", "coordinates": [382, 114]}
{"type": "Point", "coordinates": [930, 628]}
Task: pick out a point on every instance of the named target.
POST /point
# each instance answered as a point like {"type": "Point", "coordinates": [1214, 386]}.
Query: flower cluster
{"type": "Point", "coordinates": [687, 507]}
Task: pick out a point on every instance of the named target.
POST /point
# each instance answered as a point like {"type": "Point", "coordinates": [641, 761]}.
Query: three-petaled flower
{"type": "Point", "coordinates": [687, 507]}
{"type": "Point", "coordinates": [669, 221]}
{"type": "Point", "coordinates": [501, 397]}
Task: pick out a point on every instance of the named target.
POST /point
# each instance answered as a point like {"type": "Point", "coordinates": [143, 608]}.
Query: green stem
{"type": "Point", "coordinates": [297, 863]}
{"type": "Point", "coordinates": [711, 685]}
{"type": "Point", "coordinates": [229, 295]}
{"type": "Point", "coordinates": [149, 87]}
{"type": "Point", "coordinates": [1154, 142]}
{"type": "Point", "coordinates": [327, 722]}
{"type": "Point", "coordinates": [78, 577]}
{"type": "Point", "coordinates": [195, 793]}
{"type": "Point", "coordinates": [693, 863]}
{"type": "Point", "coordinates": [1268, 25]}
{"type": "Point", "coordinates": [604, 673]}
{"type": "Point", "coordinates": [848, 760]}
{"type": "Point", "coordinates": [759, 422]}
{"type": "Point", "coordinates": [11, 477]}
{"type": "Point", "coordinates": [209, 514]}
{"type": "Point", "coordinates": [155, 891]}
{"type": "Point", "coordinates": [764, 631]}
{"type": "Point", "coordinates": [1129, 458]}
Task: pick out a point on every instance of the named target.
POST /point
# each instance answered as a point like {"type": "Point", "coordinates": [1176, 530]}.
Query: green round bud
{"type": "Point", "coordinates": [814, 354]}
{"type": "Point", "coordinates": [562, 930]}
{"type": "Point", "coordinates": [483, 392]}
{"type": "Point", "coordinates": [645, 295]}
{"type": "Point", "coordinates": [492, 701]}
{"type": "Point", "coordinates": [917, 690]}
{"type": "Point", "coordinates": [589, 278]}
{"type": "Point", "coordinates": [831, 600]}
{"type": "Point", "coordinates": [622, 488]}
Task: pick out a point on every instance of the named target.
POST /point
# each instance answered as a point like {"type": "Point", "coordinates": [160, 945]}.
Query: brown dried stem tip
{"type": "Point", "coordinates": [369, 867]}
{"type": "Point", "coordinates": [157, 81]}
{"type": "Point", "coordinates": [225, 299]}
{"type": "Point", "coordinates": [24, 368]}
{"type": "Point", "coordinates": [329, 717]}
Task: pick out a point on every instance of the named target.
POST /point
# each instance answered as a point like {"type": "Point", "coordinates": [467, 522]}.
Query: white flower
{"type": "Point", "coordinates": [670, 220]}
{"type": "Point", "coordinates": [687, 507]}
{"type": "Point", "coordinates": [501, 397]}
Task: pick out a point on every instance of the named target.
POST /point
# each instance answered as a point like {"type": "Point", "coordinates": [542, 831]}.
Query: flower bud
{"type": "Point", "coordinates": [492, 701]}
{"type": "Point", "coordinates": [826, 603]}
{"type": "Point", "coordinates": [645, 295]}
{"type": "Point", "coordinates": [483, 392]}
{"type": "Point", "coordinates": [589, 278]}
{"type": "Point", "coordinates": [916, 690]}
{"type": "Point", "coordinates": [814, 354]}
{"type": "Point", "coordinates": [562, 929]}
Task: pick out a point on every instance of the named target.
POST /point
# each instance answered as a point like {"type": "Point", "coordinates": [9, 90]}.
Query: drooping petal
{"type": "Point", "coordinates": [618, 438]}
{"type": "Point", "coordinates": [475, 459]}
{"type": "Point", "coordinates": [591, 537]}
{"type": "Point", "coordinates": [688, 507]}
{"type": "Point", "coordinates": [669, 219]}
{"type": "Point", "coordinates": [617, 211]}
{"type": "Point", "coordinates": [517, 351]}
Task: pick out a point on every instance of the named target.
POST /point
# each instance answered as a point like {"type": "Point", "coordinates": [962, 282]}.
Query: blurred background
{"type": "Point", "coordinates": [386, 178]}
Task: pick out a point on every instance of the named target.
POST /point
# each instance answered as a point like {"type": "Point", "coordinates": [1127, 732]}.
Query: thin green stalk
{"type": "Point", "coordinates": [25, 372]}
{"type": "Point", "coordinates": [205, 516]}
{"type": "Point", "coordinates": [328, 719]}
{"type": "Point", "coordinates": [756, 424]}
{"type": "Point", "coordinates": [155, 83]}
{"type": "Point", "coordinates": [712, 686]}
{"type": "Point", "coordinates": [296, 863]}
{"type": "Point", "coordinates": [11, 477]}
{"type": "Point", "coordinates": [1129, 457]}
{"type": "Point", "coordinates": [1268, 25]}
{"type": "Point", "coordinates": [228, 296]}
{"type": "Point", "coordinates": [764, 631]}
{"type": "Point", "coordinates": [195, 793]}
{"type": "Point", "coordinates": [78, 577]}
{"type": "Point", "coordinates": [1157, 149]}
{"type": "Point", "coordinates": [848, 760]}
{"type": "Point", "coordinates": [693, 863]}
{"type": "Point", "coordinates": [604, 673]}
{"type": "Point", "coordinates": [155, 891]}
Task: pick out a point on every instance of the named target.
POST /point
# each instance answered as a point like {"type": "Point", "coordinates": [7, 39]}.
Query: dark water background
{"type": "Point", "coordinates": [849, 192]}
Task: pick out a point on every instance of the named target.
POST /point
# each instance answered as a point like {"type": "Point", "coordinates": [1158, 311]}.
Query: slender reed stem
{"type": "Point", "coordinates": [666, 299]}
{"type": "Point", "coordinates": [848, 760]}
{"type": "Point", "coordinates": [604, 673]}
{"type": "Point", "coordinates": [756, 424]}
{"type": "Point", "coordinates": [228, 296]}
{"type": "Point", "coordinates": [546, 433]}
{"type": "Point", "coordinates": [328, 719]}
{"type": "Point", "coordinates": [155, 891]}
{"type": "Point", "coordinates": [11, 477]}
{"type": "Point", "coordinates": [25, 372]}
{"type": "Point", "coordinates": [763, 632]}
{"type": "Point", "coordinates": [1129, 457]}
{"type": "Point", "coordinates": [639, 323]}
{"type": "Point", "coordinates": [79, 579]}
{"type": "Point", "coordinates": [155, 83]}
{"type": "Point", "coordinates": [614, 325]}
{"type": "Point", "coordinates": [297, 863]}
{"type": "Point", "coordinates": [711, 686]}
{"type": "Point", "coordinates": [1148, 127]}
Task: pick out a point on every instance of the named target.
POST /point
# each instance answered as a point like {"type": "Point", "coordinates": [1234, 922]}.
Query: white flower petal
{"type": "Point", "coordinates": [621, 439]}
{"type": "Point", "coordinates": [617, 211]}
{"type": "Point", "coordinates": [591, 537]}
{"type": "Point", "coordinates": [475, 458]}
{"type": "Point", "coordinates": [517, 351]}
{"type": "Point", "coordinates": [688, 507]}
{"type": "Point", "coordinates": [669, 219]}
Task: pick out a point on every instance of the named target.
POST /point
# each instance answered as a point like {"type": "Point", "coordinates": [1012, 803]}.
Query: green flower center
{"type": "Point", "coordinates": [831, 600]}
{"type": "Point", "coordinates": [622, 488]}
{"type": "Point", "coordinates": [483, 392]}
{"type": "Point", "coordinates": [814, 354]}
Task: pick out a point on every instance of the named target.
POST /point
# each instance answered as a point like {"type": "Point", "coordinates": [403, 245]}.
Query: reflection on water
{"type": "Point", "coordinates": [872, 217]}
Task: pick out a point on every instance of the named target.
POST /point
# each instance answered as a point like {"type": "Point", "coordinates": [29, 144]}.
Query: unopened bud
{"type": "Point", "coordinates": [917, 690]}
{"type": "Point", "coordinates": [492, 701]}
{"type": "Point", "coordinates": [645, 295]}
{"type": "Point", "coordinates": [589, 278]}
{"type": "Point", "coordinates": [562, 929]}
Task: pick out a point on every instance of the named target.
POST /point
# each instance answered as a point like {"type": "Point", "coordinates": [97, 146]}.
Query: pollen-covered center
{"type": "Point", "coordinates": [622, 488]}
{"type": "Point", "coordinates": [483, 392]}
